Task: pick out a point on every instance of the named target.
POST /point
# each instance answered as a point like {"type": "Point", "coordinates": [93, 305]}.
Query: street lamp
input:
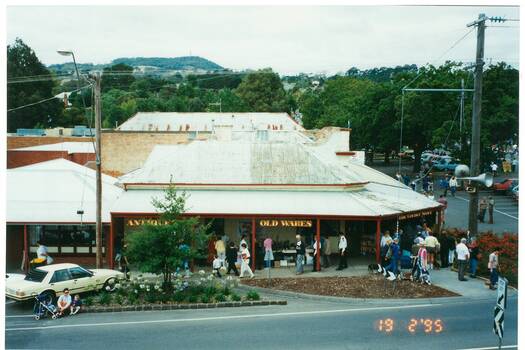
{"type": "Point", "coordinates": [98, 227]}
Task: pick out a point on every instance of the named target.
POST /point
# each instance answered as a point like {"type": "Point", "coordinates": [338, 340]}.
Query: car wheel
{"type": "Point", "coordinates": [110, 284]}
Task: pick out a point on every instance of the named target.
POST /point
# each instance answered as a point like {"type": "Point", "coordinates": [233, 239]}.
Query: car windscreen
{"type": "Point", "coordinates": [35, 275]}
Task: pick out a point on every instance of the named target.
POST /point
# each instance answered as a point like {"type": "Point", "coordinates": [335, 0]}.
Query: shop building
{"type": "Point", "coordinates": [78, 152]}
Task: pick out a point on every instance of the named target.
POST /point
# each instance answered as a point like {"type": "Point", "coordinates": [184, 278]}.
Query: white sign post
{"type": "Point", "coordinates": [499, 310]}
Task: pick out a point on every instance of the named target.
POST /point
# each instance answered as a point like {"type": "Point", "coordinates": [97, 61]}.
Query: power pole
{"type": "Point", "coordinates": [476, 123]}
{"type": "Point", "coordinates": [98, 153]}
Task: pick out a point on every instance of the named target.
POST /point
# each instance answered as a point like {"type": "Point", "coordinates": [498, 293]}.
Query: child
{"type": "Point", "coordinates": [217, 264]}
{"type": "Point", "coordinates": [75, 305]}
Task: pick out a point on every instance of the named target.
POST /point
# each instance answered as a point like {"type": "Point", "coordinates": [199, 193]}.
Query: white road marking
{"type": "Point", "coordinates": [494, 347]}
{"type": "Point", "coordinates": [223, 317]}
{"type": "Point", "coordinates": [510, 216]}
{"type": "Point", "coordinates": [20, 316]}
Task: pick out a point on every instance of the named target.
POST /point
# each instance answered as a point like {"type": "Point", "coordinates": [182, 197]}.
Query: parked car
{"type": "Point", "coordinates": [515, 192]}
{"type": "Point", "coordinates": [52, 279]}
{"type": "Point", "coordinates": [445, 164]}
{"type": "Point", "coordinates": [504, 186]}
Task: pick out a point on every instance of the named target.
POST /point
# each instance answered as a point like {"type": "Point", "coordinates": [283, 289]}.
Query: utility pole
{"type": "Point", "coordinates": [98, 153]}
{"type": "Point", "coordinates": [476, 123]}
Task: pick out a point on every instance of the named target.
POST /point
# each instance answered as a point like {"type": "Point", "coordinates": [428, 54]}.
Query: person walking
{"type": "Point", "coordinates": [386, 239]}
{"type": "Point", "coordinates": [493, 268]}
{"type": "Point", "coordinates": [326, 251]}
{"type": "Point", "coordinates": [245, 261]}
{"type": "Point", "coordinates": [482, 209]}
{"type": "Point", "coordinates": [463, 256]}
{"type": "Point", "coordinates": [475, 257]}
{"type": "Point", "coordinates": [268, 252]}
{"type": "Point", "coordinates": [220, 248]}
{"type": "Point", "coordinates": [342, 252]}
{"type": "Point", "coordinates": [491, 203]}
{"type": "Point", "coordinates": [395, 255]}
{"type": "Point", "coordinates": [231, 258]}
{"type": "Point", "coordinates": [300, 252]}
{"type": "Point", "coordinates": [453, 184]}
{"type": "Point", "coordinates": [444, 249]}
{"type": "Point", "coordinates": [318, 247]}
{"type": "Point", "coordinates": [432, 245]}
{"type": "Point", "coordinates": [494, 168]}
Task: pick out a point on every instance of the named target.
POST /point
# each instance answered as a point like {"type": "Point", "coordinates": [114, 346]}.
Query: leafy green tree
{"type": "Point", "coordinates": [263, 91]}
{"type": "Point", "coordinates": [22, 62]}
{"type": "Point", "coordinates": [118, 76]}
{"type": "Point", "coordinates": [161, 248]}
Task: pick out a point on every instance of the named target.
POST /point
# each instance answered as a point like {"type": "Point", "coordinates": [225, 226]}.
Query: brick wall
{"type": "Point", "coordinates": [16, 158]}
{"type": "Point", "coordinates": [123, 152]}
{"type": "Point", "coordinates": [28, 141]}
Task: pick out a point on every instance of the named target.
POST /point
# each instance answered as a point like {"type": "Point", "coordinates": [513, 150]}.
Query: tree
{"type": "Point", "coordinates": [118, 76]}
{"type": "Point", "coordinates": [23, 62]}
{"type": "Point", "coordinates": [263, 91]}
{"type": "Point", "coordinates": [163, 247]}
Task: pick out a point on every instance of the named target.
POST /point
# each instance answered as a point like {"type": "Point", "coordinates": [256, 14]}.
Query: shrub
{"type": "Point", "coordinates": [104, 298]}
{"type": "Point", "coordinates": [227, 291]}
{"type": "Point", "coordinates": [205, 299]}
{"type": "Point", "coordinates": [151, 297]}
{"type": "Point", "coordinates": [220, 297]}
{"type": "Point", "coordinates": [89, 301]}
{"type": "Point", "coordinates": [179, 297]}
{"type": "Point", "coordinates": [193, 298]}
{"type": "Point", "coordinates": [252, 295]}
{"type": "Point", "coordinates": [235, 297]}
{"type": "Point", "coordinates": [118, 299]}
{"type": "Point", "coordinates": [210, 291]}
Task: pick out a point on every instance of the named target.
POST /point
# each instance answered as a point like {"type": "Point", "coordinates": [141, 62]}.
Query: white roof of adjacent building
{"type": "Point", "coordinates": [373, 201]}
{"type": "Point", "coordinates": [70, 147]}
{"type": "Point", "coordinates": [206, 121]}
{"type": "Point", "coordinates": [235, 162]}
{"type": "Point", "coordinates": [53, 191]}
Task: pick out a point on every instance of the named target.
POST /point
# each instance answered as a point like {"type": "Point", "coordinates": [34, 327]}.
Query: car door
{"type": "Point", "coordinates": [82, 279]}
{"type": "Point", "coordinates": [61, 279]}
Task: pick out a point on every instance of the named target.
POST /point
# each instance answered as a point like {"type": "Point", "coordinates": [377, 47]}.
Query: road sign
{"type": "Point", "coordinates": [498, 321]}
{"type": "Point", "coordinates": [501, 300]}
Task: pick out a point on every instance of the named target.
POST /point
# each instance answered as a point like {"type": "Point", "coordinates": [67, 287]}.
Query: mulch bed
{"type": "Point", "coordinates": [367, 287]}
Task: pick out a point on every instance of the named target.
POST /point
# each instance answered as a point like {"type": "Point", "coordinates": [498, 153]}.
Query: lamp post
{"type": "Point", "coordinates": [98, 238]}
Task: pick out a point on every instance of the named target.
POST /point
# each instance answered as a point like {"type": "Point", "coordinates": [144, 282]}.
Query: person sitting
{"type": "Point", "coordinates": [64, 302]}
{"type": "Point", "coordinates": [217, 265]}
{"type": "Point", "coordinates": [76, 304]}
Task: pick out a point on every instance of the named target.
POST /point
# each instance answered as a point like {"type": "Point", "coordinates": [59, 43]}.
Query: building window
{"type": "Point", "coordinates": [64, 239]}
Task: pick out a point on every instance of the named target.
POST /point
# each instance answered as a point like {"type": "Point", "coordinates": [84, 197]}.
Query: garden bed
{"type": "Point", "coordinates": [366, 287]}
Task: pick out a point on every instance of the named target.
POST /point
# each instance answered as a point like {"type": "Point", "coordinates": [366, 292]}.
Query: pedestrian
{"type": "Point", "coordinates": [326, 251]}
{"type": "Point", "coordinates": [463, 256]}
{"type": "Point", "coordinates": [217, 265]}
{"type": "Point", "coordinates": [395, 255]}
{"type": "Point", "coordinates": [220, 248]}
{"type": "Point", "coordinates": [452, 242]}
{"type": "Point", "coordinates": [453, 184]}
{"type": "Point", "coordinates": [342, 252]}
{"type": "Point", "coordinates": [259, 256]}
{"type": "Point", "coordinates": [482, 209]}
{"type": "Point", "coordinates": [444, 248]}
{"type": "Point", "coordinates": [493, 268]}
{"type": "Point", "coordinates": [300, 251]}
{"type": "Point", "coordinates": [494, 168]}
{"type": "Point", "coordinates": [231, 258]}
{"type": "Point", "coordinates": [317, 246]}
{"type": "Point", "coordinates": [475, 257]}
{"type": "Point", "coordinates": [268, 252]}
{"type": "Point", "coordinates": [124, 263]}
{"type": "Point", "coordinates": [426, 182]}
{"type": "Point", "coordinates": [42, 252]}
{"type": "Point", "coordinates": [491, 204]}
{"type": "Point", "coordinates": [384, 245]}
{"type": "Point", "coordinates": [211, 249]}
{"type": "Point", "coordinates": [406, 179]}
{"type": "Point", "coordinates": [445, 185]}
{"type": "Point", "coordinates": [514, 164]}
{"type": "Point", "coordinates": [245, 261]}
{"type": "Point", "coordinates": [243, 240]}
{"type": "Point", "coordinates": [432, 245]}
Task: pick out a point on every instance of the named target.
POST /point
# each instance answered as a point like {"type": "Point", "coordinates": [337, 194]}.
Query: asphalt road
{"type": "Point", "coordinates": [505, 213]}
{"type": "Point", "coordinates": [303, 324]}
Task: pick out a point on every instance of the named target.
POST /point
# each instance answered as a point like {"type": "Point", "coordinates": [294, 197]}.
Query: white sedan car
{"type": "Point", "coordinates": [51, 280]}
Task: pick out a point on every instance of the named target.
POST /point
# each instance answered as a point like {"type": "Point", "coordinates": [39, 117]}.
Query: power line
{"type": "Point", "coordinates": [42, 101]}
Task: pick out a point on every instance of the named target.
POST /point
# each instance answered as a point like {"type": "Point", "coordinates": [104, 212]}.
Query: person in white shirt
{"type": "Point", "coordinates": [493, 268]}
{"type": "Point", "coordinates": [42, 253]}
{"type": "Point", "coordinates": [316, 246]}
{"type": "Point", "coordinates": [494, 168]}
{"type": "Point", "coordinates": [217, 264]}
{"type": "Point", "coordinates": [463, 256]}
{"type": "Point", "coordinates": [64, 302]}
{"type": "Point", "coordinates": [342, 252]}
{"type": "Point", "coordinates": [453, 184]}
{"type": "Point", "coordinates": [245, 261]}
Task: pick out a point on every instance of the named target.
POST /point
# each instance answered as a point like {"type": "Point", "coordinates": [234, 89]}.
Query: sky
{"type": "Point", "coordinates": [289, 39]}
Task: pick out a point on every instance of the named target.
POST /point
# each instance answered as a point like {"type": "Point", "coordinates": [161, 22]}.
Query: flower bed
{"type": "Point", "coordinates": [508, 258]}
{"type": "Point", "coordinates": [197, 289]}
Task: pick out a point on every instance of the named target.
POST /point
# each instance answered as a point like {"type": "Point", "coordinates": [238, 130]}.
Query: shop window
{"type": "Point", "coordinates": [64, 238]}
